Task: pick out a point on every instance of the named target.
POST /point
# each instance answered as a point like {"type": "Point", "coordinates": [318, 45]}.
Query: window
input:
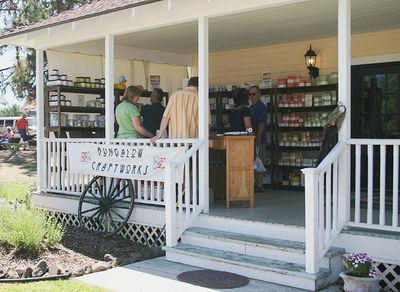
{"type": "Point", "coordinates": [9, 123]}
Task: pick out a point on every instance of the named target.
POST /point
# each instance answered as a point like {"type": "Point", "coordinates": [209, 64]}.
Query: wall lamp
{"type": "Point", "coordinates": [311, 61]}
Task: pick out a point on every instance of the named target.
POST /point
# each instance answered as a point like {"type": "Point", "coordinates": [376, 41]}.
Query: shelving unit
{"type": "Point", "coordinates": [286, 174]}
{"type": "Point", "coordinates": [219, 115]}
{"type": "Point", "coordinates": [75, 132]}
{"type": "Point", "coordinates": [298, 130]}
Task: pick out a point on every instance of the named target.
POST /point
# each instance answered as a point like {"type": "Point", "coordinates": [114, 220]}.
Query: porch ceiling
{"type": "Point", "coordinates": [301, 21]}
{"type": "Point", "coordinates": [280, 24]}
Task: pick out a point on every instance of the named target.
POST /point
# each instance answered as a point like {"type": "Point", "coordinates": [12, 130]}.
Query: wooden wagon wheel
{"type": "Point", "coordinates": [106, 204]}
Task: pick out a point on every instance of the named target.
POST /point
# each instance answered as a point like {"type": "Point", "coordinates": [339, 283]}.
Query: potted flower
{"type": "Point", "coordinates": [359, 274]}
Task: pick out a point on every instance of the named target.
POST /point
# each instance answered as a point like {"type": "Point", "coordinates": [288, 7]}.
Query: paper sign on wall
{"type": "Point", "coordinates": [129, 162]}
{"type": "Point", "coordinates": [266, 79]}
{"type": "Point", "coordinates": [155, 81]}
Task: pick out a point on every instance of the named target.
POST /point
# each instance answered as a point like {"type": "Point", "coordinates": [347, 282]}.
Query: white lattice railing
{"type": "Point", "coordinates": [325, 204]}
{"type": "Point", "coordinates": [60, 180]}
{"type": "Point", "coordinates": [375, 198]}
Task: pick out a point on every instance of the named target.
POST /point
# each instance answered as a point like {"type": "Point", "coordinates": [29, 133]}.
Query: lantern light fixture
{"type": "Point", "coordinates": [311, 61]}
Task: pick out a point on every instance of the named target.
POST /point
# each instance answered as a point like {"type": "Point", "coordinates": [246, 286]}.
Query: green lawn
{"type": "Point", "coordinates": [52, 286]}
{"type": "Point", "coordinates": [14, 190]}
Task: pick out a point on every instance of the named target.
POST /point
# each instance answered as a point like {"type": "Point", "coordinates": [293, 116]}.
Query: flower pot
{"type": "Point", "coordinates": [360, 284]}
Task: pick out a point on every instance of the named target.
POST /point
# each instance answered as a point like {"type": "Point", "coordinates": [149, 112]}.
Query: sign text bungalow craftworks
{"type": "Point", "coordinates": [129, 162]}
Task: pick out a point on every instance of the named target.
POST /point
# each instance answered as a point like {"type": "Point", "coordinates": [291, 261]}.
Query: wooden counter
{"type": "Point", "coordinates": [239, 166]}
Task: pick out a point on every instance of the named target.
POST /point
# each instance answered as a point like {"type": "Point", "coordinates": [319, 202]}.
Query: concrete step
{"type": "Point", "coordinates": [250, 227]}
{"type": "Point", "coordinates": [273, 271]}
{"type": "Point", "coordinates": [259, 246]}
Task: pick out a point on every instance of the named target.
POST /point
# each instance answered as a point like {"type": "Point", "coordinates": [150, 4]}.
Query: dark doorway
{"type": "Point", "coordinates": [375, 114]}
{"type": "Point", "coordinates": [375, 101]}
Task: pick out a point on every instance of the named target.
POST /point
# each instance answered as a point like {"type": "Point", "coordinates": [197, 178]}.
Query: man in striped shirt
{"type": "Point", "coordinates": [181, 113]}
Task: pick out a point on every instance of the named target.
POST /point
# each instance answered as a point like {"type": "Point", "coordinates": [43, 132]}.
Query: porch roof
{"type": "Point", "coordinates": [96, 8]}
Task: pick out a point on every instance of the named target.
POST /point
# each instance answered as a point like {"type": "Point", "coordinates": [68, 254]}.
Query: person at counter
{"type": "Point", "coordinates": [239, 117]}
{"type": "Point", "coordinates": [153, 113]}
{"type": "Point", "coordinates": [258, 112]}
{"type": "Point", "coordinates": [128, 116]}
{"type": "Point", "coordinates": [181, 113]}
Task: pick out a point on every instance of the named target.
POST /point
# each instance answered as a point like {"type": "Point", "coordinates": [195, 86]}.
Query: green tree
{"type": "Point", "coordinates": [20, 78]}
{"type": "Point", "coordinates": [11, 111]}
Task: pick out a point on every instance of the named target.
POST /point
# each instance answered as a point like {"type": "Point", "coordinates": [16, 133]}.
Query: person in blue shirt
{"type": "Point", "coordinates": [258, 112]}
{"type": "Point", "coordinates": [153, 113]}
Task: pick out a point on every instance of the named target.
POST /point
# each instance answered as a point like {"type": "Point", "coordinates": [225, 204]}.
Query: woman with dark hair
{"type": "Point", "coordinates": [128, 116]}
{"type": "Point", "coordinates": [239, 117]}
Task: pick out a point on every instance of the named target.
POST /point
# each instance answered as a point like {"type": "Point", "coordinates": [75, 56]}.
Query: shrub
{"type": "Point", "coordinates": [12, 191]}
{"type": "Point", "coordinates": [54, 231]}
{"type": "Point", "coordinates": [28, 228]}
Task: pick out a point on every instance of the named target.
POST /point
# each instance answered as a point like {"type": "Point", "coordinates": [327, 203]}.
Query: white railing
{"type": "Point", "coordinates": [183, 201]}
{"type": "Point", "coordinates": [60, 180]}
{"type": "Point", "coordinates": [375, 193]}
{"type": "Point", "coordinates": [325, 204]}
{"type": "Point", "coordinates": [153, 192]}
{"type": "Point", "coordinates": [179, 192]}
{"type": "Point", "coordinates": [360, 192]}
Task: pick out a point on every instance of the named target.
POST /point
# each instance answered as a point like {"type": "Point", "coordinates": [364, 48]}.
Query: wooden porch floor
{"type": "Point", "coordinates": [273, 206]}
{"type": "Point", "coordinates": [288, 208]}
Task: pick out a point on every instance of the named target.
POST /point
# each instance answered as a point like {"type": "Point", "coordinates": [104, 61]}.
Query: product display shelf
{"type": "Point", "coordinates": [298, 148]}
{"type": "Point", "coordinates": [74, 132]}
{"type": "Point", "coordinates": [321, 108]}
{"type": "Point", "coordinates": [307, 139]}
{"type": "Point", "coordinates": [313, 88]}
{"type": "Point", "coordinates": [78, 128]}
{"type": "Point", "coordinates": [220, 111]}
{"type": "Point", "coordinates": [74, 89]}
{"type": "Point", "coordinates": [77, 109]}
{"type": "Point", "coordinates": [287, 129]}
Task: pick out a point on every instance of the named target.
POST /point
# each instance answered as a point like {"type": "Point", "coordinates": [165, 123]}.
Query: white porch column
{"type": "Point", "coordinates": [170, 207]}
{"type": "Point", "coordinates": [203, 111]}
{"type": "Point", "coordinates": [312, 218]}
{"type": "Point", "coordinates": [40, 121]}
{"type": "Point", "coordinates": [344, 72]}
{"type": "Point", "coordinates": [109, 91]}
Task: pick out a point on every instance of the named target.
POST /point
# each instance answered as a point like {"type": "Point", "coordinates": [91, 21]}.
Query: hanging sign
{"type": "Point", "coordinates": [155, 81]}
{"type": "Point", "coordinates": [129, 162]}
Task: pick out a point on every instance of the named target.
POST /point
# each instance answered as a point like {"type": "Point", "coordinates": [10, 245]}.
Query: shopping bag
{"type": "Point", "coordinates": [258, 164]}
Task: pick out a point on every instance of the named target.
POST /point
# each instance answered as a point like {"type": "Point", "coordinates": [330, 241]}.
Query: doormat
{"type": "Point", "coordinates": [213, 279]}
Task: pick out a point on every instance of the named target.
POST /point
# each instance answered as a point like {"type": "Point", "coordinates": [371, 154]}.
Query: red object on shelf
{"type": "Point", "coordinates": [293, 81]}
{"type": "Point", "coordinates": [282, 82]}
